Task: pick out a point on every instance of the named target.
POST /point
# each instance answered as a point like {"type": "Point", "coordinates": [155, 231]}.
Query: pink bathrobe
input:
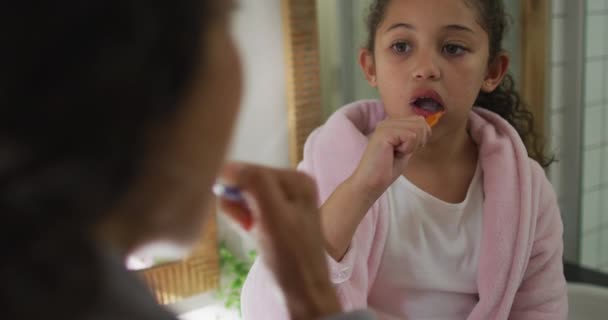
{"type": "Point", "coordinates": [520, 271]}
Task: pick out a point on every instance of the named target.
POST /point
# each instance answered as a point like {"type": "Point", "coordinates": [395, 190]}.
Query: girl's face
{"type": "Point", "coordinates": [431, 55]}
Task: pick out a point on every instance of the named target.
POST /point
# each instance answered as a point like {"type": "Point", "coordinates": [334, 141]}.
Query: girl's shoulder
{"type": "Point", "coordinates": [357, 117]}
{"type": "Point", "coordinates": [542, 184]}
{"type": "Point", "coordinates": [332, 151]}
{"type": "Point", "coordinates": [345, 132]}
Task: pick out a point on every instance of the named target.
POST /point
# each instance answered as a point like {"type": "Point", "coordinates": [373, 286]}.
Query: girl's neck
{"type": "Point", "coordinates": [458, 149]}
{"type": "Point", "coordinates": [445, 168]}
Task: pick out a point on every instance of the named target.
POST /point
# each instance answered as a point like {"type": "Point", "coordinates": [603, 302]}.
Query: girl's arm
{"type": "Point", "coordinates": [384, 160]}
{"type": "Point", "coordinates": [341, 214]}
{"type": "Point", "coordinates": [262, 298]}
{"type": "Point", "coordinates": [353, 203]}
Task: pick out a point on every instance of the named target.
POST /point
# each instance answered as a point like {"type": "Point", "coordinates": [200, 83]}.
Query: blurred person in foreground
{"type": "Point", "coordinates": [115, 118]}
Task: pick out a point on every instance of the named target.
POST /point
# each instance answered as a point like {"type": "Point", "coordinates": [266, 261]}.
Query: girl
{"type": "Point", "coordinates": [450, 222]}
{"type": "Point", "coordinates": [115, 116]}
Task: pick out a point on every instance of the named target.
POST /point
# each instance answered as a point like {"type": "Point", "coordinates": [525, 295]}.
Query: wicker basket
{"type": "Point", "coordinates": [199, 273]}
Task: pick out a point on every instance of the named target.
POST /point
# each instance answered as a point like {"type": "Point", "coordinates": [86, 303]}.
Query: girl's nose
{"type": "Point", "coordinates": [426, 68]}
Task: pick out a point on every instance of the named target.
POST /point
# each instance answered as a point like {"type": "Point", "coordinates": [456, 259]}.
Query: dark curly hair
{"type": "Point", "coordinates": [81, 84]}
{"type": "Point", "coordinates": [504, 100]}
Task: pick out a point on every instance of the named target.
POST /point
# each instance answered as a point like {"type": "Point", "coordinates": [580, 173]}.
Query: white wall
{"type": "Point", "coordinates": [261, 134]}
{"type": "Point", "coordinates": [342, 33]}
{"type": "Point", "coordinates": [261, 131]}
{"type": "Point", "coordinates": [594, 240]}
{"type": "Point", "coordinates": [592, 229]}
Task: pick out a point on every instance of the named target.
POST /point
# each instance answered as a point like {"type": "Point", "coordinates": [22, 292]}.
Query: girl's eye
{"type": "Point", "coordinates": [401, 47]}
{"type": "Point", "coordinates": [454, 49]}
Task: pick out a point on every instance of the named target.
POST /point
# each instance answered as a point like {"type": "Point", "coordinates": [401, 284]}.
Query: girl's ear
{"type": "Point", "coordinates": [496, 72]}
{"type": "Point", "coordinates": [366, 61]}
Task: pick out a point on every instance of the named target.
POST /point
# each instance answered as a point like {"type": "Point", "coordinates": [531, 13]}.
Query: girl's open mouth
{"type": "Point", "coordinates": [426, 106]}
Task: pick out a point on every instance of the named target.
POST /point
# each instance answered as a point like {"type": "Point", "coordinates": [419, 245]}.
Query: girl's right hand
{"type": "Point", "coordinates": [387, 153]}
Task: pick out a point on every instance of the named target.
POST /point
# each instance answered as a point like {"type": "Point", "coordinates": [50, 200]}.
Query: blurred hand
{"type": "Point", "coordinates": [282, 209]}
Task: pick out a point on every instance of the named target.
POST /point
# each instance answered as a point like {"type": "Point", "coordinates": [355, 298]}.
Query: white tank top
{"type": "Point", "coordinates": [429, 265]}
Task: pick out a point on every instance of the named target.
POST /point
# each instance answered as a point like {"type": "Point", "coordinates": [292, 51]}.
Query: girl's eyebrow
{"type": "Point", "coordinates": [455, 27]}
{"type": "Point", "coordinates": [400, 25]}
{"type": "Point", "coordinates": [459, 27]}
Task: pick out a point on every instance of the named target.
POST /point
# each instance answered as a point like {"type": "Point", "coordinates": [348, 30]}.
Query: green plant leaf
{"type": "Point", "coordinates": [237, 284]}
{"type": "Point", "coordinates": [252, 255]}
{"type": "Point", "coordinates": [236, 270]}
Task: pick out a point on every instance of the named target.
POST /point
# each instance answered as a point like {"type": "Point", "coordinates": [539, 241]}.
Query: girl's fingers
{"type": "Point", "coordinates": [404, 140]}
{"type": "Point", "coordinates": [412, 124]}
{"type": "Point", "coordinates": [403, 148]}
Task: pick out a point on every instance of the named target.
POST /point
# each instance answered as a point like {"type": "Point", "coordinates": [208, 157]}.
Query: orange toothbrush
{"type": "Point", "coordinates": [434, 118]}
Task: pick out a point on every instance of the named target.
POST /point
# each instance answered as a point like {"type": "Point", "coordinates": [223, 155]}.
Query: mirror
{"type": "Point", "coordinates": [561, 70]}
{"type": "Point", "coordinates": [319, 43]}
